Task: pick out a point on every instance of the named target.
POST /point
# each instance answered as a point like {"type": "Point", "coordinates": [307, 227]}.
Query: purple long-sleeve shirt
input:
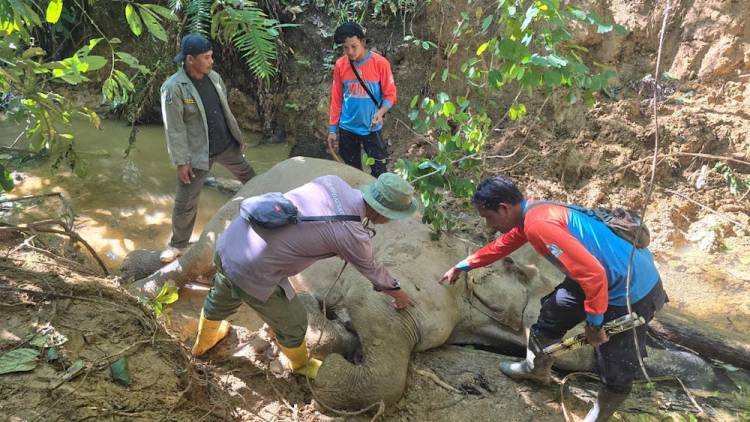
{"type": "Point", "coordinates": [258, 260]}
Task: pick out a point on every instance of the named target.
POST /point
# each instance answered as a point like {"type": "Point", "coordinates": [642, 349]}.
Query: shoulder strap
{"type": "Point", "coordinates": [364, 85]}
{"type": "Point", "coordinates": [330, 218]}
{"type": "Point", "coordinates": [578, 208]}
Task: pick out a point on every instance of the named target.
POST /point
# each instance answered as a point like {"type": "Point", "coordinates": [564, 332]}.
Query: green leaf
{"type": "Point", "coordinates": [414, 101]}
{"type": "Point", "coordinates": [517, 111]}
{"type": "Point", "coordinates": [18, 360]}
{"type": "Point", "coordinates": [444, 75]}
{"type": "Point", "coordinates": [572, 99]}
{"type": "Point", "coordinates": [448, 109]}
{"type": "Point", "coordinates": [153, 25]}
{"type": "Point", "coordinates": [168, 294]}
{"type": "Point", "coordinates": [93, 42]}
{"type": "Point", "coordinates": [95, 62]}
{"type": "Point", "coordinates": [54, 9]}
{"type": "Point", "coordinates": [495, 78]}
{"type": "Point", "coordinates": [552, 78]}
{"type": "Point", "coordinates": [136, 27]}
{"type": "Point", "coordinates": [161, 11]}
{"type": "Point", "coordinates": [603, 28]}
{"type": "Point", "coordinates": [486, 23]}
{"type": "Point", "coordinates": [6, 180]}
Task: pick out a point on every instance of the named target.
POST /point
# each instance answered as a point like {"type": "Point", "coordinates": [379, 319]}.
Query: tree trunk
{"type": "Point", "coordinates": [712, 342]}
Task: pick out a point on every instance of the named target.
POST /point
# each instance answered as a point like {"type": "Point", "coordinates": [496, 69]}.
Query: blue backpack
{"type": "Point", "coordinates": [272, 210]}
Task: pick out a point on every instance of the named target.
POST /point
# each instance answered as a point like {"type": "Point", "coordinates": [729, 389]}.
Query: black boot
{"type": "Point", "coordinates": [607, 402]}
{"type": "Point", "coordinates": [537, 365]}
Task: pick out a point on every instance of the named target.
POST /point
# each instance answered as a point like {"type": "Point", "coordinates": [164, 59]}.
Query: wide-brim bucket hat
{"type": "Point", "coordinates": [391, 196]}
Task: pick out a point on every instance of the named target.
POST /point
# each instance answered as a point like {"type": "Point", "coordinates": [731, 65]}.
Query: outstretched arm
{"type": "Point", "coordinates": [486, 255]}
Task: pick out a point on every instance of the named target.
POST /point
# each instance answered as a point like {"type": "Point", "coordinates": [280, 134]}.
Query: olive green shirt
{"type": "Point", "coordinates": [185, 119]}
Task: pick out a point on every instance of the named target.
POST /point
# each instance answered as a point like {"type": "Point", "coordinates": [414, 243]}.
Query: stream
{"type": "Point", "coordinates": [124, 204]}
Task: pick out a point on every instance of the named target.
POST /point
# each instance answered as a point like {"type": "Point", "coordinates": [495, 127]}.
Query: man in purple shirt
{"type": "Point", "coordinates": [253, 264]}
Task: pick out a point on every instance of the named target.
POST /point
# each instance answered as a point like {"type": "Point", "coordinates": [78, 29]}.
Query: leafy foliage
{"type": "Point", "coordinates": [252, 33]}
{"type": "Point", "coordinates": [167, 295]}
{"type": "Point", "coordinates": [736, 183]}
{"type": "Point", "coordinates": [524, 46]}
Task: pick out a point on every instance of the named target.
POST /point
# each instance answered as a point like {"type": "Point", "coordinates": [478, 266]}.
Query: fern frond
{"type": "Point", "coordinates": [253, 34]}
{"type": "Point", "coordinates": [199, 15]}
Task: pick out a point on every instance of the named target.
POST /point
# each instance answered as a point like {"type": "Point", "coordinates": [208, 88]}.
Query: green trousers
{"type": "Point", "coordinates": [287, 318]}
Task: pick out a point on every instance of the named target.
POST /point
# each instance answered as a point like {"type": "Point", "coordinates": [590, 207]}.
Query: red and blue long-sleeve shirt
{"type": "Point", "coordinates": [584, 248]}
{"type": "Point", "coordinates": [351, 107]}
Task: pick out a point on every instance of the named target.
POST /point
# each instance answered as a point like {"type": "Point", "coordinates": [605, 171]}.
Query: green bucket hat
{"type": "Point", "coordinates": [390, 196]}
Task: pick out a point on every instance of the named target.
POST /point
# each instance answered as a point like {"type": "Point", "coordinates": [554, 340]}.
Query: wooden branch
{"type": "Point", "coordinates": [73, 235]}
{"type": "Point", "coordinates": [683, 154]}
{"type": "Point", "coordinates": [66, 205]}
{"type": "Point", "coordinates": [706, 340]}
{"type": "Point", "coordinates": [431, 375]}
{"type": "Point", "coordinates": [709, 209]}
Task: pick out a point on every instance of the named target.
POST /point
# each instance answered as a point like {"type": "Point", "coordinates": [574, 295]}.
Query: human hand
{"type": "Point", "coordinates": [595, 336]}
{"type": "Point", "coordinates": [450, 276]}
{"type": "Point", "coordinates": [185, 173]}
{"type": "Point", "coordinates": [377, 119]}
{"type": "Point", "coordinates": [401, 298]}
{"type": "Point", "coordinates": [332, 141]}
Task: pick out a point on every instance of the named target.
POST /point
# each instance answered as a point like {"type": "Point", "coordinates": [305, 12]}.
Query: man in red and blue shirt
{"type": "Point", "coordinates": [595, 262]}
{"type": "Point", "coordinates": [356, 116]}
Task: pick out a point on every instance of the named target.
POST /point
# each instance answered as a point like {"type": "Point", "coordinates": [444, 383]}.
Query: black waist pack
{"type": "Point", "coordinates": [623, 222]}
{"type": "Point", "coordinates": [272, 210]}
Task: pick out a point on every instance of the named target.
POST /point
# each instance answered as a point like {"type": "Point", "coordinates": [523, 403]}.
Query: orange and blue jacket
{"type": "Point", "coordinates": [351, 107]}
{"type": "Point", "coordinates": [582, 247]}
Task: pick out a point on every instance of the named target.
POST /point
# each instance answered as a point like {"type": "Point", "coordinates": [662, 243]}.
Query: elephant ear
{"type": "Point", "coordinates": [524, 273]}
{"type": "Point", "coordinates": [502, 293]}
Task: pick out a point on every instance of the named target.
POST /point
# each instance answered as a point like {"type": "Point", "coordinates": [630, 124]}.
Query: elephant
{"type": "Point", "coordinates": [365, 342]}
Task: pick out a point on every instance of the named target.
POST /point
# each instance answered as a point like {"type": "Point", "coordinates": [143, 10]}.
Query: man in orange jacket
{"type": "Point", "coordinates": [595, 262]}
{"type": "Point", "coordinates": [362, 92]}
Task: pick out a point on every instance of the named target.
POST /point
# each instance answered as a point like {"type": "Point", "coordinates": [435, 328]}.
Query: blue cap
{"type": "Point", "coordinates": [192, 44]}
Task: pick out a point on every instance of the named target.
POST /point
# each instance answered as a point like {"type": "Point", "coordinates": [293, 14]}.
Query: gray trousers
{"type": "Point", "coordinates": [186, 199]}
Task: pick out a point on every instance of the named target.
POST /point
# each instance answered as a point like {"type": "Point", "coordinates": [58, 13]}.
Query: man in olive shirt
{"type": "Point", "coordinates": [201, 130]}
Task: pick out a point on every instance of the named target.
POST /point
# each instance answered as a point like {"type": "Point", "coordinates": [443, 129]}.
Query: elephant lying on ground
{"type": "Point", "coordinates": [366, 342]}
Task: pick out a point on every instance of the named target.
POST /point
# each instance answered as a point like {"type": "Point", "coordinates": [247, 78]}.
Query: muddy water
{"type": "Point", "coordinates": [126, 204]}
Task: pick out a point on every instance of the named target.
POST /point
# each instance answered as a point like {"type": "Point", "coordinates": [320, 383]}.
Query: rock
{"type": "Point", "coordinates": [709, 232]}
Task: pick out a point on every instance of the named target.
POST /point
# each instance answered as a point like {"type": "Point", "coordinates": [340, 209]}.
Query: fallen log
{"type": "Point", "coordinates": [712, 342]}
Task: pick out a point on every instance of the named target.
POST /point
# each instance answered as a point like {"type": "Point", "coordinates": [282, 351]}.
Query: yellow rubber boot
{"type": "Point", "coordinates": [209, 333]}
{"type": "Point", "coordinates": [299, 361]}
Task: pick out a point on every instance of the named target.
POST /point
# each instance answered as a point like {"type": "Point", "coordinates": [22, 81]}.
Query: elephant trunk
{"type": "Point", "coordinates": [386, 351]}
{"type": "Point", "coordinates": [196, 263]}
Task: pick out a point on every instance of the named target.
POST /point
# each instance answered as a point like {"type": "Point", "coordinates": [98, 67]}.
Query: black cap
{"type": "Point", "coordinates": [347, 30]}
{"type": "Point", "coordinates": [192, 44]}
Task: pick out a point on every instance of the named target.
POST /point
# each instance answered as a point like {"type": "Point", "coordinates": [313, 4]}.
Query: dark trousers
{"type": "Point", "coordinates": [350, 149]}
{"type": "Point", "coordinates": [186, 200]}
{"type": "Point", "coordinates": [287, 318]}
{"type": "Point", "coordinates": [616, 359]}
